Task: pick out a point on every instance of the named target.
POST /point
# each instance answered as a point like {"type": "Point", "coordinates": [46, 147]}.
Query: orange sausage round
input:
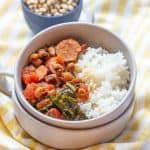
{"type": "Point", "coordinates": [68, 49]}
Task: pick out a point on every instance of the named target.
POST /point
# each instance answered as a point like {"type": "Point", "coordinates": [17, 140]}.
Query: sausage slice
{"type": "Point", "coordinates": [68, 49]}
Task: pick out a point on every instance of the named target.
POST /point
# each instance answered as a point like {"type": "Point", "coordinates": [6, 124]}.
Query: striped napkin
{"type": "Point", "coordinates": [130, 19]}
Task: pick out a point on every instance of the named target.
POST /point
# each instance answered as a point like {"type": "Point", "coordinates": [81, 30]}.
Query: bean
{"type": "Point", "coordinates": [37, 62]}
{"type": "Point", "coordinates": [43, 54]}
{"type": "Point", "coordinates": [33, 57]}
{"type": "Point", "coordinates": [51, 7]}
{"type": "Point", "coordinates": [52, 51]}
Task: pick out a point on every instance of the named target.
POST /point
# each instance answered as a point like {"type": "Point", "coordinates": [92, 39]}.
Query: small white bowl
{"type": "Point", "coordinates": [93, 35]}
{"type": "Point", "coordinates": [61, 138]}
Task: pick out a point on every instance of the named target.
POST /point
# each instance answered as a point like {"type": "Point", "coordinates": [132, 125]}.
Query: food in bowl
{"type": "Point", "coordinates": [72, 81]}
{"type": "Point", "coordinates": [51, 7]}
{"type": "Point", "coordinates": [107, 77]}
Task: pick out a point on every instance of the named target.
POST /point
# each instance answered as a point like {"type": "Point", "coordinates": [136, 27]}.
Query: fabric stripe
{"type": "Point", "coordinates": [119, 13]}
{"type": "Point", "coordinates": [6, 33]}
{"type": "Point", "coordinates": [4, 110]}
{"type": "Point", "coordinates": [126, 16]}
{"type": "Point", "coordinates": [13, 58]}
{"type": "Point", "coordinates": [7, 143]}
{"type": "Point", "coordinates": [5, 7]}
{"type": "Point", "coordinates": [134, 6]}
{"type": "Point", "coordinates": [104, 10]}
{"type": "Point", "coordinates": [133, 127]}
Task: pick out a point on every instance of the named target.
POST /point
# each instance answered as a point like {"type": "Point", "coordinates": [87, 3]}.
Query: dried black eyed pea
{"type": "Point", "coordinates": [51, 7]}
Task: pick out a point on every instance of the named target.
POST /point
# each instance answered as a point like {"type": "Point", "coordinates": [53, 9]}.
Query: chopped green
{"type": "Point", "coordinates": [46, 108]}
{"type": "Point", "coordinates": [71, 85]}
{"type": "Point", "coordinates": [68, 105]}
{"type": "Point", "coordinates": [68, 92]}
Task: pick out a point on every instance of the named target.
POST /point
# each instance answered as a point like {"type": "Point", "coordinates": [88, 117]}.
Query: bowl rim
{"type": "Point", "coordinates": [51, 119]}
{"type": "Point", "coordinates": [80, 2]}
{"type": "Point", "coordinates": [15, 99]}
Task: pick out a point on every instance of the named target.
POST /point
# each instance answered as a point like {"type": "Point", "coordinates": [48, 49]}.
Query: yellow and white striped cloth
{"type": "Point", "coordinates": [130, 19]}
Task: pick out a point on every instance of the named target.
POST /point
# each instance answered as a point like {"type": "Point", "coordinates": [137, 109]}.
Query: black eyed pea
{"type": "Point", "coordinates": [51, 7]}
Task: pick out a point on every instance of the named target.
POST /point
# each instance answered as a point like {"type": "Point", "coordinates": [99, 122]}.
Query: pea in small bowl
{"type": "Point", "coordinates": [38, 22]}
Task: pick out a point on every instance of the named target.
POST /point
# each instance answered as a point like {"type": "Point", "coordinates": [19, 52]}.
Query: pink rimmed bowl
{"type": "Point", "coordinates": [93, 35]}
{"type": "Point", "coordinates": [73, 134]}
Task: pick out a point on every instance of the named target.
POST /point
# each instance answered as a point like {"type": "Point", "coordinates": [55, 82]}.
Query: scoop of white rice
{"type": "Point", "coordinates": [107, 76]}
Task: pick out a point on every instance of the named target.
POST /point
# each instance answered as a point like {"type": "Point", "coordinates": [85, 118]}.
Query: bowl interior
{"type": "Point", "coordinates": [94, 35]}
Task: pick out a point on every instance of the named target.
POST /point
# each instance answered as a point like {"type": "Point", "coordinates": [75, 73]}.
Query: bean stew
{"type": "Point", "coordinates": [50, 84]}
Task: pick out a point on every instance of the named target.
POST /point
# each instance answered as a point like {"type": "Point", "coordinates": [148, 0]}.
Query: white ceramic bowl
{"type": "Point", "coordinates": [93, 35]}
{"type": "Point", "coordinates": [61, 138]}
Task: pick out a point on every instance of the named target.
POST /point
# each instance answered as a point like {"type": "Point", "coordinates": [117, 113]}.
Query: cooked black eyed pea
{"type": "Point", "coordinates": [37, 62]}
{"type": "Point", "coordinates": [43, 54]}
{"type": "Point", "coordinates": [33, 57]}
{"type": "Point", "coordinates": [52, 79]}
{"type": "Point", "coordinates": [52, 93]}
{"type": "Point", "coordinates": [41, 92]}
{"type": "Point", "coordinates": [51, 50]}
{"type": "Point", "coordinates": [71, 67]}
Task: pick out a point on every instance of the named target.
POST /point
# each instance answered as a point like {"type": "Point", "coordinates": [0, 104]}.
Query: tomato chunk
{"type": "Point", "coordinates": [76, 80]}
{"type": "Point", "coordinates": [54, 112]}
{"type": "Point", "coordinates": [29, 92]}
{"type": "Point", "coordinates": [50, 87]}
{"type": "Point", "coordinates": [67, 76]}
{"type": "Point", "coordinates": [29, 75]}
{"type": "Point", "coordinates": [60, 60]}
{"type": "Point", "coordinates": [82, 93]}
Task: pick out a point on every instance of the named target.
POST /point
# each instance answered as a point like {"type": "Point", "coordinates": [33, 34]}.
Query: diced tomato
{"type": "Point", "coordinates": [67, 76]}
{"type": "Point", "coordinates": [29, 92]}
{"type": "Point", "coordinates": [29, 78]}
{"type": "Point", "coordinates": [60, 60]}
{"type": "Point", "coordinates": [82, 93]}
{"type": "Point", "coordinates": [29, 75]}
{"type": "Point", "coordinates": [54, 112]}
{"type": "Point", "coordinates": [50, 86]}
{"type": "Point", "coordinates": [76, 80]}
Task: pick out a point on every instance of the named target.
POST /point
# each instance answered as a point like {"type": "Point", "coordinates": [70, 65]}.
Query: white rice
{"type": "Point", "coordinates": [107, 76]}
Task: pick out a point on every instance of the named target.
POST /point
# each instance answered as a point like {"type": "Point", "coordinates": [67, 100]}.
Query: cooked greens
{"type": "Point", "coordinates": [67, 103]}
